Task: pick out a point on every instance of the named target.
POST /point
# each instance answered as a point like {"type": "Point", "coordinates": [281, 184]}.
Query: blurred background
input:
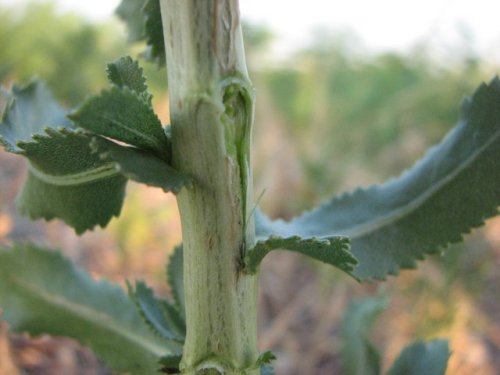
{"type": "Point", "coordinates": [348, 101]}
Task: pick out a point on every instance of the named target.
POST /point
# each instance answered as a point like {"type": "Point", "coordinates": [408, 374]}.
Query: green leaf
{"type": "Point", "coordinates": [154, 32]}
{"type": "Point", "coordinates": [160, 315]}
{"type": "Point", "coordinates": [123, 115]}
{"type": "Point", "coordinates": [453, 189]}
{"type": "Point", "coordinates": [131, 12]}
{"type": "Point", "coordinates": [143, 19]}
{"type": "Point", "coordinates": [65, 180]}
{"type": "Point", "coordinates": [265, 358]}
{"type": "Point", "coordinates": [359, 355]}
{"type": "Point", "coordinates": [419, 358]}
{"type": "Point", "coordinates": [126, 72]}
{"type": "Point", "coordinates": [332, 250]}
{"type": "Point", "coordinates": [41, 292]}
{"type": "Point", "coordinates": [264, 363]}
{"type": "Point", "coordinates": [141, 166]}
{"type": "Point", "coordinates": [175, 277]}
{"type": "Point", "coordinates": [30, 109]}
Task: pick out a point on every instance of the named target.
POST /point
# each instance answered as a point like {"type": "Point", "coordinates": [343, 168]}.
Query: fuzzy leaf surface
{"type": "Point", "coordinates": [125, 72]}
{"type": "Point", "coordinates": [175, 277]}
{"type": "Point", "coordinates": [141, 166]}
{"type": "Point", "coordinates": [359, 355]}
{"type": "Point", "coordinates": [429, 358]}
{"type": "Point", "coordinates": [160, 315]}
{"type": "Point", "coordinates": [65, 179]}
{"type": "Point", "coordinates": [123, 115]}
{"type": "Point", "coordinates": [332, 250]}
{"type": "Point", "coordinates": [453, 189]}
{"type": "Point", "coordinates": [41, 292]}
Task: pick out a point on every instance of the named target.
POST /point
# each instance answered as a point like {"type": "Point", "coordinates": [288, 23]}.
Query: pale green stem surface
{"type": "Point", "coordinates": [211, 106]}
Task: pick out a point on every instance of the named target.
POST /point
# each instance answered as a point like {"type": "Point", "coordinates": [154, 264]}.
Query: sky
{"type": "Point", "coordinates": [386, 24]}
{"type": "Point", "coordinates": [381, 25]}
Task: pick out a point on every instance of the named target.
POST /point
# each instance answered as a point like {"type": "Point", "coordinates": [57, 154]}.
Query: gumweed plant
{"type": "Point", "coordinates": [81, 159]}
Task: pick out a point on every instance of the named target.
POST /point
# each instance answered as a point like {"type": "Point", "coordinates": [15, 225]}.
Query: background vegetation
{"type": "Point", "coordinates": [328, 118]}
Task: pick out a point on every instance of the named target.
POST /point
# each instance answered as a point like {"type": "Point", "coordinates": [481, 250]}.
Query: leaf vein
{"type": "Point", "coordinates": [151, 140]}
{"type": "Point", "coordinates": [86, 313]}
{"type": "Point", "coordinates": [365, 228]}
{"type": "Point", "coordinates": [90, 175]}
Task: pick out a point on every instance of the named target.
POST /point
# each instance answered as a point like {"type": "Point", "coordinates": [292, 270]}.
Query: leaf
{"type": "Point", "coordinates": [130, 11]}
{"type": "Point", "coordinates": [265, 358]}
{"type": "Point", "coordinates": [264, 363]}
{"type": "Point", "coordinates": [154, 32]}
{"type": "Point", "coordinates": [41, 292]}
{"type": "Point", "coordinates": [175, 277]}
{"type": "Point", "coordinates": [160, 315]}
{"type": "Point", "coordinates": [123, 115]}
{"type": "Point", "coordinates": [359, 355]}
{"type": "Point", "coordinates": [333, 250]}
{"type": "Point", "coordinates": [143, 19]}
{"type": "Point", "coordinates": [141, 166]}
{"type": "Point", "coordinates": [30, 109]}
{"type": "Point", "coordinates": [65, 180]}
{"type": "Point", "coordinates": [429, 358]}
{"type": "Point", "coordinates": [126, 72]}
{"type": "Point", "coordinates": [453, 189]}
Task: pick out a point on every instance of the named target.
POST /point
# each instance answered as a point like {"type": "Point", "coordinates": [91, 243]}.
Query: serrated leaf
{"type": "Point", "coordinates": [143, 19]}
{"type": "Point", "coordinates": [130, 11]}
{"type": "Point", "coordinates": [265, 358]}
{"type": "Point", "coordinates": [175, 277]}
{"type": "Point", "coordinates": [41, 292]}
{"type": "Point", "coordinates": [123, 115]}
{"type": "Point", "coordinates": [419, 358]}
{"type": "Point", "coordinates": [160, 315]}
{"type": "Point", "coordinates": [154, 32]}
{"type": "Point", "coordinates": [31, 108]}
{"type": "Point", "coordinates": [264, 363]}
{"type": "Point", "coordinates": [332, 250]}
{"type": "Point", "coordinates": [453, 189]}
{"type": "Point", "coordinates": [65, 180]}
{"type": "Point", "coordinates": [358, 354]}
{"type": "Point", "coordinates": [141, 166]}
{"type": "Point", "coordinates": [126, 72]}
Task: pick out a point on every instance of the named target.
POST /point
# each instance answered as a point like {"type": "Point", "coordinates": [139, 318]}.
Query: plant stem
{"type": "Point", "coordinates": [211, 106]}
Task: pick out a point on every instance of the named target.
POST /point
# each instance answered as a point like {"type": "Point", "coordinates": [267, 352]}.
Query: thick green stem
{"type": "Point", "coordinates": [211, 104]}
